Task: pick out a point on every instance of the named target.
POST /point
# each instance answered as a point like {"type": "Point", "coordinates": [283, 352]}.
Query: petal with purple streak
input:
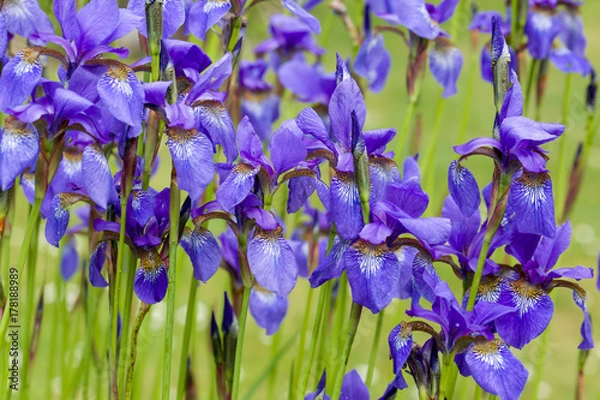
{"type": "Point", "coordinates": [150, 281]}
{"type": "Point", "coordinates": [268, 309]}
{"type": "Point", "coordinates": [400, 341]}
{"type": "Point", "coordinates": [97, 177]}
{"type": "Point", "coordinates": [533, 204]}
{"type": "Point", "coordinates": [346, 209]}
{"type": "Point", "coordinates": [19, 149]}
{"type": "Point", "coordinates": [445, 62]}
{"type": "Point", "coordinates": [97, 261]}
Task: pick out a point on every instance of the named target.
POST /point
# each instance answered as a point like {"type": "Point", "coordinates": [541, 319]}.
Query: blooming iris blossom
{"type": "Point", "coordinates": [24, 17]}
{"type": "Point", "coordinates": [518, 142]}
{"type": "Point", "coordinates": [528, 291]}
{"type": "Point", "coordinates": [542, 27]}
{"type": "Point", "coordinates": [471, 334]}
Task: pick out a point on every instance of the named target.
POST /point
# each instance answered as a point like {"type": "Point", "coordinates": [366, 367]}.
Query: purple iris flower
{"type": "Point", "coordinates": [259, 103]}
{"type": "Point", "coordinates": [445, 63]}
{"type": "Point", "coordinates": [569, 54]}
{"type": "Point", "coordinates": [487, 359]}
{"type": "Point", "coordinates": [204, 14]}
{"type": "Point", "coordinates": [267, 308]}
{"type": "Point", "coordinates": [288, 36]}
{"type": "Point", "coordinates": [542, 27]}
{"type": "Point", "coordinates": [302, 12]}
{"type": "Point", "coordinates": [528, 293]}
{"type": "Point", "coordinates": [422, 18]}
{"type": "Point", "coordinates": [24, 18]}
{"type": "Point", "coordinates": [518, 142]}
{"type": "Point", "coordinates": [353, 388]}
{"type": "Point", "coordinates": [146, 231]}
{"type": "Point", "coordinates": [372, 60]}
{"type": "Point", "coordinates": [309, 82]}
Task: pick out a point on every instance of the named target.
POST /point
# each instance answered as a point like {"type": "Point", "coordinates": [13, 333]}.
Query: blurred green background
{"type": "Point", "coordinates": [57, 367]}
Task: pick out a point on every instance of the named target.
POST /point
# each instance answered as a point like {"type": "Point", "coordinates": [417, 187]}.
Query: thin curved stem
{"type": "Point", "coordinates": [143, 310]}
{"type": "Point", "coordinates": [374, 348]}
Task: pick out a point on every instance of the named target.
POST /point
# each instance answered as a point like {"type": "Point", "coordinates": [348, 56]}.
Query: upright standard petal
{"type": "Point", "coordinates": [268, 309]}
{"type": "Point", "coordinates": [69, 260]}
{"type": "Point", "coordinates": [272, 261]}
{"type": "Point", "coordinates": [192, 155]}
{"type": "Point", "coordinates": [373, 272]}
{"type": "Point", "coordinates": [346, 211]}
{"type": "Point", "coordinates": [97, 261]}
{"type": "Point", "coordinates": [463, 188]}
{"type": "Point", "coordinates": [496, 369]}
{"type": "Point", "coordinates": [19, 149]}
{"type": "Point", "coordinates": [19, 77]}
{"type": "Point", "coordinates": [445, 61]}
{"type": "Point", "coordinates": [122, 93]}
{"type": "Point", "coordinates": [533, 312]}
{"type": "Point", "coordinates": [345, 99]}
{"type": "Point", "coordinates": [203, 250]}
{"type": "Point", "coordinates": [287, 149]}
{"type": "Point", "coordinates": [150, 282]}
{"type": "Point", "coordinates": [97, 177]}
{"type": "Point", "coordinates": [532, 200]}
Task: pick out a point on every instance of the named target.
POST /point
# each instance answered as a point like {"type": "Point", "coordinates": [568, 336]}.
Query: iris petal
{"type": "Point", "coordinates": [346, 211]}
{"type": "Point", "coordinates": [533, 312]}
{"type": "Point", "coordinates": [97, 177]}
{"type": "Point", "coordinates": [587, 341]}
{"type": "Point", "coordinates": [445, 61]}
{"type": "Point", "coordinates": [268, 309]}
{"type": "Point", "coordinates": [215, 121]}
{"type": "Point", "coordinates": [400, 341]}
{"type": "Point", "coordinates": [496, 369]}
{"type": "Point", "coordinates": [331, 267]}
{"type": "Point", "coordinates": [204, 252]}
{"type": "Point", "coordinates": [272, 261]}
{"type": "Point", "coordinates": [150, 282]}
{"type": "Point", "coordinates": [373, 273]}
{"type": "Point", "coordinates": [69, 260]}
{"type": "Point", "coordinates": [204, 14]}
{"type": "Point", "coordinates": [236, 186]}
{"type": "Point", "coordinates": [463, 188]}
{"type": "Point", "coordinates": [373, 62]}
{"type": "Point", "coordinates": [533, 204]}
{"type": "Point", "coordinates": [96, 264]}
{"type": "Point", "coordinates": [123, 94]}
{"type": "Point", "coordinates": [192, 155]}
{"type": "Point", "coordinates": [19, 77]}
{"type": "Point", "coordinates": [19, 149]}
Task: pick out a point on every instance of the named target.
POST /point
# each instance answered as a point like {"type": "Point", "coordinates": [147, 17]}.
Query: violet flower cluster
{"type": "Point", "coordinates": [319, 197]}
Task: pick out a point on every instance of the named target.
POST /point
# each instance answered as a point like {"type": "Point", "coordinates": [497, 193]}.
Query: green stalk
{"type": "Point", "coordinates": [449, 375]}
{"type": "Point", "coordinates": [173, 243]}
{"type": "Point", "coordinates": [538, 368]}
{"type": "Point", "coordinates": [408, 117]}
{"type": "Point", "coordinates": [561, 183]}
{"type": "Point", "coordinates": [187, 335]}
{"type": "Point", "coordinates": [514, 37]}
{"type": "Point", "coordinates": [126, 320]}
{"type": "Point", "coordinates": [429, 156]}
{"type": "Point", "coordinates": [304, 375]}
{"type": "Point", "coordinates": [325, 326]}
{"type": "Point", "coordinates": [30, 307]}
{"type": "Point", "coordinates": [338, 323]}
{"type": "Point", "coordinates": [240, 343]}
{"type": "Point", "coordinates": [374, 347]}
{"type": "Point", "coordinates": [530, 75]}
{"type": "Point", "coordinates": [299, 369]}
{"type": "Point", "coordinates": [29, 232]}
{"type": "Point", "coordinates": [355, 313]}
{"type": "Point", "coordinates": [273, 370]}
{"type": "Point", "coordinates": [485, 247]}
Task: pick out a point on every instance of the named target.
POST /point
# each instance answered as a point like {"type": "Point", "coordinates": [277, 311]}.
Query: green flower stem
{"type": "Point", "coordinates": [143, 310]}
{"type": "Point", "coordinates": [173, 243]}
{"type": "Point", "coordinates": [306, 366]}
{"type": "Point", "coordinates": [30, 304]}
{"type": "Point", "coordinates": [408, 117]}
{"type": "Point", "coordinates": [514, 37]}
{"type": "Point", "coordinates": [338, 326]}
{"type": "Point", "coordinates": [374, 347]}
{"type": "Point", "coordinates": [273, 371]}
{"type": "Point", "coordinates": [448, 377]}
{"type": "Point", "coordinates": [429, 156]}
{"type": "Point", "coordinates": [538, 368]}
{"type": "Point", "coordinates": [299, 369]}
{"type": "Point", "coordinates": [530, 78]}
{"type": "Point", "coordinates": [131, 268]}
{"type": "Point", "coordinates": [561, 182]}
{"type": "Point", "coordinates": [190, 317]}
{"type": "Point", "coordinates": [325, 326]}
{"type": "Point", "coordinates": [240, 343]}
{"type": "Point", "coordinates": [24, 252]}
{"type": "Point", "coordinates": [355, 313]}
